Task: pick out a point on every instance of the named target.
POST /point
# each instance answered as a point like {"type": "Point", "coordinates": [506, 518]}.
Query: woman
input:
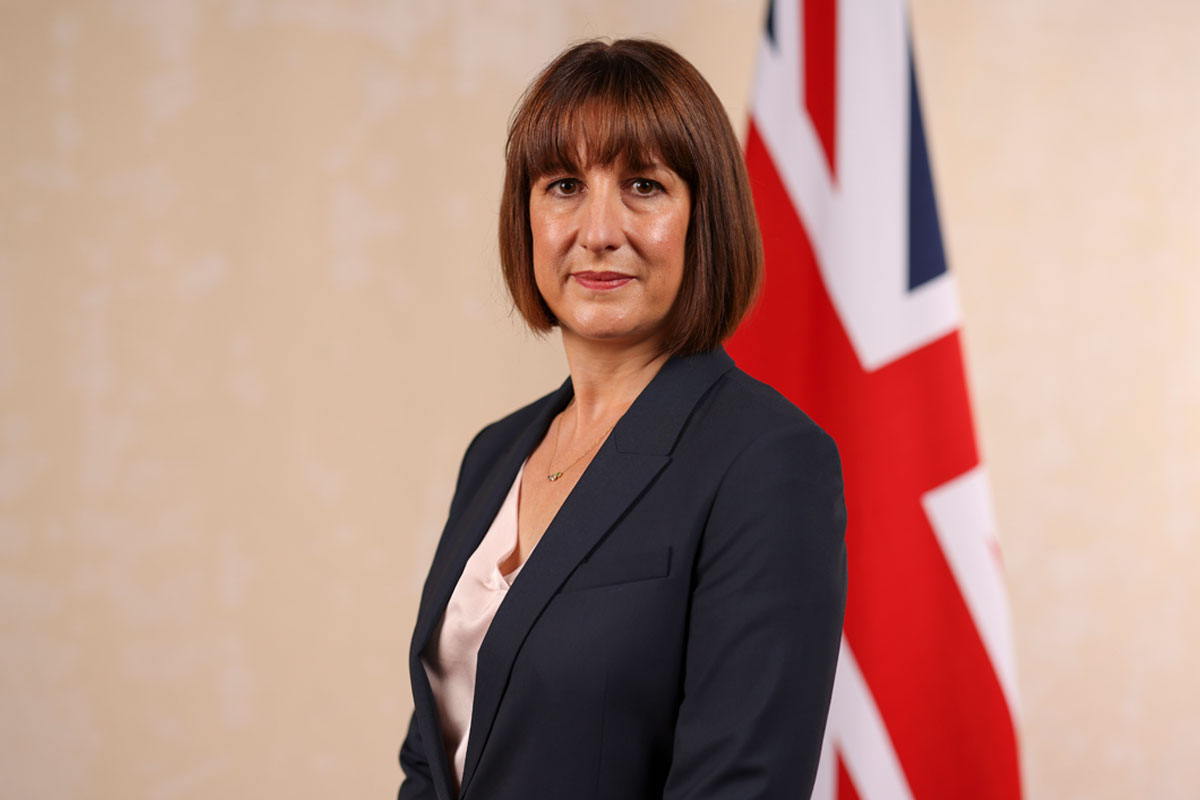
{"type": "Point", "coordinates": [676, 526]}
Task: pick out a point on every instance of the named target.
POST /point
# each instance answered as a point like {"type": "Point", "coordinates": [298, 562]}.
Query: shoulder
{"type": "Point", "coordinates": [752, 422]}
{"type": "Point", "coordinates": [779, 495]}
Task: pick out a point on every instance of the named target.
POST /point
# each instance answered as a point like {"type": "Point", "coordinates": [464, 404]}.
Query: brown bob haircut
{"type": "Point", "coordinates": [641, 101]}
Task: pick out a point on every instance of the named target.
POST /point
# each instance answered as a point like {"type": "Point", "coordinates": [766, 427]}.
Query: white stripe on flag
{"type": "Point", "coordinates": [960, 512]}
{"type": "Point", "coordinates": [856, 731]}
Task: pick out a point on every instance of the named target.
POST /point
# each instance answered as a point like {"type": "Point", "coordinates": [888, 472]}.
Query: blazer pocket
{"type": "Point", "coordinates": [625, 568]}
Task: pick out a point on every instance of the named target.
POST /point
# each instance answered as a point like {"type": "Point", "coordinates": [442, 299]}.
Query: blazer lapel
{"type": "Point", "coordinates": [468, 531]}
{"type": "Point", "coordinates": [638, 449]}
{"type": "Point", "coordinates": [463, 537]}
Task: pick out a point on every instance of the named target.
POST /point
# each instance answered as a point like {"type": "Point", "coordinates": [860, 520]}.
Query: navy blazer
{"type": "Point", "coordinates": [674, 634]}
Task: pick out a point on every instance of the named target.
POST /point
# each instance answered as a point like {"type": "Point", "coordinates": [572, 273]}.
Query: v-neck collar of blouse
{"type": "Point", "coordinates": [508, 517]}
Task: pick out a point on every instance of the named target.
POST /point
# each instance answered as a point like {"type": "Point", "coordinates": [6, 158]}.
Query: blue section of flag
{"type": "Point", "coordinates": [926, 254]}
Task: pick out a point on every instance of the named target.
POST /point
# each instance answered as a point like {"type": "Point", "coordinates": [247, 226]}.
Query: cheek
{"type": "Point", "coordinates": [665, 233]}
{"type": "Point", "coordinates": [543, 253]}
{"type": "Point", "coordinates": [548, 241]}
{"type": "Point", "coordinates": [543, 278]}
{"type": "Point", "coordinates": [548, 280]}
{"type": "Point", "coordinates": [671, 247]}
{"type": "Point", "coordinates": [538, 230]}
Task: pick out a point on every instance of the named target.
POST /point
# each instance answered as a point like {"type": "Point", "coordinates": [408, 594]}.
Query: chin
{"type": "Point", "coordinates": [612, 335]}
{"type": "Point", "coordinates": [614, 328]}
{"type": "Point", "coordinates": [603, 334]}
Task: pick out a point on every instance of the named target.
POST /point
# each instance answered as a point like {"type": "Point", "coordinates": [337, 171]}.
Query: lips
{"type": "Point", "coordinates": [601, 281]}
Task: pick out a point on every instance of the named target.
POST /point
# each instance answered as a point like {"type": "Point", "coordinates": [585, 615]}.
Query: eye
{"type": "Point", "coordinates": [564, 186]}
{"type": "Point", "coordinates": [644, 187]}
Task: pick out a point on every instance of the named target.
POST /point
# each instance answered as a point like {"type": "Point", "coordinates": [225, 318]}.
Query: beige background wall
{"type": "Point", "coordinates": [250, 317]}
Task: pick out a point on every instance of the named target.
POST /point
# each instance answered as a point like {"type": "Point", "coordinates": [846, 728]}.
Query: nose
{"type": "Point", "coordinates": [601, 227]}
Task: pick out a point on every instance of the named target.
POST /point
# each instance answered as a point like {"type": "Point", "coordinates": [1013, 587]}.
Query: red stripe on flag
{"type": "Point", "coordinates": [845, 787]}
{"type": "Point", "coordinates": [820, 73]}
{"type": "Point", "coordinates": [902, 430]}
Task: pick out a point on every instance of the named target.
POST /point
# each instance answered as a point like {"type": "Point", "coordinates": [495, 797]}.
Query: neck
{"type": "Point", "coordinates": [608, 376]}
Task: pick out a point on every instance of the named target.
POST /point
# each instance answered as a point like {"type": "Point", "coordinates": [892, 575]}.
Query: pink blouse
{"type": "Point", "coordinates": [479, 591]}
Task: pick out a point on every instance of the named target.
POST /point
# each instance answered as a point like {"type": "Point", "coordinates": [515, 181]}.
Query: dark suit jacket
{"type": "Point", "coordinates": [674, 633]}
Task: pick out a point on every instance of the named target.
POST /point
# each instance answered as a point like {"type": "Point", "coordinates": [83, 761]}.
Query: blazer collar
{"type": "Point", "coordinates": [637, 450]}
{"type": "Point", "coordinates": [653, 423]}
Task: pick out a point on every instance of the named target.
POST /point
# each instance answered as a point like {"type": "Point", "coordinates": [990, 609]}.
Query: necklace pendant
{"type": "Point", "coordinates": [554, 477]}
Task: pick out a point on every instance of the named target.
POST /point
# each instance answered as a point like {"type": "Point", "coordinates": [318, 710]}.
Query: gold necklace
{"type": "Point", "coordinates": [553, 476]}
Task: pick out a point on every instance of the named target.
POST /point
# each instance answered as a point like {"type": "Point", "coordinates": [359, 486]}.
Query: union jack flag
{"type": "Point", "coordinates": [858, 324]}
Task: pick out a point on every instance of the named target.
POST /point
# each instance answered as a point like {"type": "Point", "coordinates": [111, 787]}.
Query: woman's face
{"type": "Point", "coordinates": [608, 249]}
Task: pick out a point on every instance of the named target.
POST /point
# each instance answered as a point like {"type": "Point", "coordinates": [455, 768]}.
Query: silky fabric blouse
{"type": "Point", "coordinates": [479, 592]}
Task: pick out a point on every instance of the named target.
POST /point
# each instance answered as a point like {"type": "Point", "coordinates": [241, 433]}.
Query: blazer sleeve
{"type": "Point", "coordinates": [418, 782]}
{"type": "Point", "coordinates": [764, 629]}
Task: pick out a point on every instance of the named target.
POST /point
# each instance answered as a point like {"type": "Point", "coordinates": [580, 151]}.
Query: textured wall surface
{"type": "Point", "coordinates": [250, 317]}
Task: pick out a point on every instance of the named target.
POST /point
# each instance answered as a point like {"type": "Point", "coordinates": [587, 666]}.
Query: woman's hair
{"type": "Point", "coordinates": [641, 101]}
